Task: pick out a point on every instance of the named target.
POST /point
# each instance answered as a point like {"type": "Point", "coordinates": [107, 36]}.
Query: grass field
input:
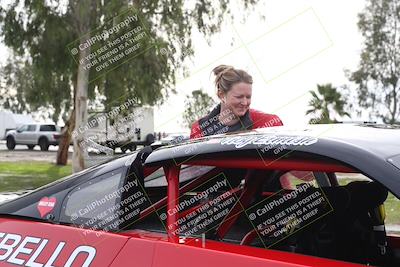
{"type": "Point", "coordinates": [15, 176]}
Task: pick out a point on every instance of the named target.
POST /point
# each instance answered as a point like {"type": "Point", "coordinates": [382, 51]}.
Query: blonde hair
{"type": "Point", "coordinates": [226, 76]}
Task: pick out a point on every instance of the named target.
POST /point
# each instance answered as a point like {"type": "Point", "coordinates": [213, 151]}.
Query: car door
{"type": "Point", "coordinates": [30, 134]}
{"type": "Point", "coordinates": [30, 243]}
{"type": "Point", "coordinates": [20, 135]}
{"type": "Point", "coordinates": [65, 227]}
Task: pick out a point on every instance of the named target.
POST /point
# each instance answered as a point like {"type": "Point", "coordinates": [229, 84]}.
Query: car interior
{"type": "Point", "coordinates": [349, 225]}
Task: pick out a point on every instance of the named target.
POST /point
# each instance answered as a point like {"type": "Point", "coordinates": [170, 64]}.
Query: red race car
{"type": "Point", "coordinates": [267, 197]}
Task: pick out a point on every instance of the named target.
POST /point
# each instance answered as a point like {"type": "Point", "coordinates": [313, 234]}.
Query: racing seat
{"type": "Point", "coordinates": [349, 232]}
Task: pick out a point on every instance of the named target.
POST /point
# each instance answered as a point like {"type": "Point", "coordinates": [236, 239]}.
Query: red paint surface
{"type": "Point", "coordinates": [223, 254]}
{"type": "Point", "coordinates": [107, 245]}
{"type": "Point", "coordinates": [145, 249]}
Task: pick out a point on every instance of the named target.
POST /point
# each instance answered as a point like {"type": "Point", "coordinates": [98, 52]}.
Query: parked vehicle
{"type": "Point", "coordinates": [123, 131]}
{"type": "Point", "coordinates": [236, 199]}
{"type": "Point", "coordinates": [34, 134]}
{"type": "Point", "coordinates": [11, 121]}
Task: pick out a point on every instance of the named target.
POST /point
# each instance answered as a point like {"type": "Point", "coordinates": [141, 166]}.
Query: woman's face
{"type": "Point", "coordinates": [238, 99]}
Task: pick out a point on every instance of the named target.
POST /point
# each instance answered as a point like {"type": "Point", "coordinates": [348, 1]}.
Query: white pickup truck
{"type": "Point", "coordinates": [11, 121]}
{"type": "Point", "coordinates": [34, 134]}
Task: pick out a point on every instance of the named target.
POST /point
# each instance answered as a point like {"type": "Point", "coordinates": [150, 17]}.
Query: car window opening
{"type": "Point", "coordinates": [246, 207]}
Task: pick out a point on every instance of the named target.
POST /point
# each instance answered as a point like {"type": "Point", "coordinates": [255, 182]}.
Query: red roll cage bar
{"type": "Point", "coordinates": [172, 171]}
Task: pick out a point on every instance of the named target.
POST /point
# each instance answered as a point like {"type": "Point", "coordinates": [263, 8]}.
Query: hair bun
{"type": "Point", "coordinates": [221, 68]}
{"type": "Point", "coordinates": [226, 76]}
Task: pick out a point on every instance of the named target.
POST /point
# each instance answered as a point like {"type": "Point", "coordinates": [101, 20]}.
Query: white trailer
{"type": "Point", "coordinates": [126, 131]}
{"type": "Point", "coordinates": [11, 121]}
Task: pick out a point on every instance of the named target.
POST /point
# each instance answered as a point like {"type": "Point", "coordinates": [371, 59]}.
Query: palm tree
{"type": "Point", "coordinates": [325, 104]}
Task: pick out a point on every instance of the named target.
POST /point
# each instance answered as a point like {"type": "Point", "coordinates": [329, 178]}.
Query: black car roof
{"type": "Point", "coordinates": [380, 140]}
{"type": "Point", "coordinates": [372, 149]}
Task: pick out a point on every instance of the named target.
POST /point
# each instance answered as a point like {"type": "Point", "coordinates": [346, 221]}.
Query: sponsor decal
{"type": "Point", "coordinates": [260, 140]}
{"type": "Point", "coordinates": [26, 251]}
{"type": "Point", "coordinates": [46, 205]}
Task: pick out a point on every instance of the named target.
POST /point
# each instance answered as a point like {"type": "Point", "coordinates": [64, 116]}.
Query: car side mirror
{"type": "Point", "coordinates": [19, 131]}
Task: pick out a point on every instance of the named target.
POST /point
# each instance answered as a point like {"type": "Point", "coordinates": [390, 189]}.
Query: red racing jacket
{"type": "Point", "coordinates": [210, 125]}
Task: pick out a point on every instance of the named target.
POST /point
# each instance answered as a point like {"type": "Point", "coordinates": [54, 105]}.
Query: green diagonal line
{"type": "Point", "coordinates": [250, 42]}
{"type": "Point", "coordinates": [278, 26]}
{"type": "Point", "coordinates": [210, 63]}
{"type": "Point", "coordinates": [250, 55]}
{"type": "Point", "coordinates": [300, 63]}
{"type": "Point", "coordinates": [322, 25]}
{"type": "Point", "coordinates": [291, 68]}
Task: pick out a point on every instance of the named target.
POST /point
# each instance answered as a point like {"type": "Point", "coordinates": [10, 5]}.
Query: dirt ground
{"type": "Point", "coordinates": [22, 153]}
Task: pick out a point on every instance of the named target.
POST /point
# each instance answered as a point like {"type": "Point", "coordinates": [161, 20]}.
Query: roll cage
{"type": "Point", "coordinates": [252, 182]}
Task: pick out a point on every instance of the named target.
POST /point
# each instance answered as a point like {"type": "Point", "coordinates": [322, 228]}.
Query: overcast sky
{"type": "Point", "coordinates": [299, 44]}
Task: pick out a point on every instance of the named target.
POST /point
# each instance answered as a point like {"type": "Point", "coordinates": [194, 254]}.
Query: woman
{"type": "Point", "coordinates": [234, 89]}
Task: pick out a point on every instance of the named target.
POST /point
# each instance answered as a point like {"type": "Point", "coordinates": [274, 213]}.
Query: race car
{"type": "Point", "coordinates": [266, 197]}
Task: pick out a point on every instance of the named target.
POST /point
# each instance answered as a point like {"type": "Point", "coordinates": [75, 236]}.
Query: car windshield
{"type": "Point", "coordinates": [22, 127]}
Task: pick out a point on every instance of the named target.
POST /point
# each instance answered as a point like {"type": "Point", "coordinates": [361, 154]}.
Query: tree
{"type": "Point", "coordinates": [377, 76]}
{"type": "Point", "coordinates": [325, 102]}
{"type": "Point", "coordinates": [40, 31]}
{"type": "Point", "coordinates": [15, 74]}
{"type": "Point", "coordinates": [196, 105]}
